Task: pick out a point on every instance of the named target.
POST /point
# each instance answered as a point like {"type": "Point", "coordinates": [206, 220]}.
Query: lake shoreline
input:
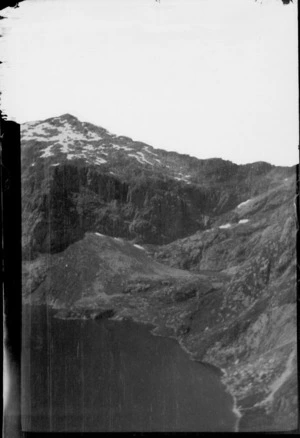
{"type": "Point", "coordinates": [235, 387]}
{"type": "Point", "coordinates": [155, 330]}
{"type": "Point", "coordinates": [204, 382]}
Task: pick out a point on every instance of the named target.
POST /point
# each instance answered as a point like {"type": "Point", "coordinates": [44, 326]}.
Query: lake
{"type": "Point", "coordinates": [88, 376]}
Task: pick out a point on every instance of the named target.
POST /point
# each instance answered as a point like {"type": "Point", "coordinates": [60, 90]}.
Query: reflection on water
{"type": "Point", "coordinates": [85, 375]}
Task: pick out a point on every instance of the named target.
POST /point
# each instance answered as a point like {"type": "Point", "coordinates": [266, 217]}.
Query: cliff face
{"type": "Point", "coordinates": [217, 265]}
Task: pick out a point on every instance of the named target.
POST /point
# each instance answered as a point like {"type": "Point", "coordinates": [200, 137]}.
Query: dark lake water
{"type": "Point", "coordinates": [85, 375]}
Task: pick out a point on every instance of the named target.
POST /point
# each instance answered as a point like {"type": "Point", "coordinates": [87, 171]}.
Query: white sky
{"type": "Point", "coordinates": [210, 78]}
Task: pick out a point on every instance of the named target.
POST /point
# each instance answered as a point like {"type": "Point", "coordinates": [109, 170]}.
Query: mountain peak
{"type": "Point", "coordinates": [67, 116]}
{"type": "Point", "coordinates": [64, 118]}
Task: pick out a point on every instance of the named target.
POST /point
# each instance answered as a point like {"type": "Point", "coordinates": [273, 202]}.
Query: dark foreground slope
{"type": "Point", "coordinates": [224, 283]}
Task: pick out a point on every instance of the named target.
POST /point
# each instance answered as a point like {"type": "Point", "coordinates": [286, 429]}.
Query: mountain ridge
{"type": "Point", "coordinates": [146, 189]}
{"type": "Point", "coordinates": [69, 116]}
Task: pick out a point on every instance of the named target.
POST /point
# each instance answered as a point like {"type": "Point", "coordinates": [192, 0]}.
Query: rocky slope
{"type": "Point", "coordinates": [97, 209]}
{"type": "Point", "coordinates": [251, 330]}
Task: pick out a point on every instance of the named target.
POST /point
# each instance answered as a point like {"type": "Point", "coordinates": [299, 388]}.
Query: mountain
{"type": "Point", "coordinates": [202, 249]}
{"type": "Point", "coordinates": [79, 177]}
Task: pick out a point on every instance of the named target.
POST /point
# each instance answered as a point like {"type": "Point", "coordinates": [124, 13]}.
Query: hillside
{"type": "Point", "coordinates": [202, 249]}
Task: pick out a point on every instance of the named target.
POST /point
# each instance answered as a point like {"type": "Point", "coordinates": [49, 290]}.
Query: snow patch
{"type": "Point", "coordinates": [139, 247]}
{"type": "Point", "coordinates": [183, 178]}
{"type": "Point", "coordinates": [100, 161]}
{"type": "Point", "coordinates": [39, 130]}
{"type": "Point", "coordinates": [118, 147]}
{"type": "Point", "coordinates": [118, 239]}
{"type": "Point", "coordinates": [242, 204]}
{"type": "Point", "coordinates": [66, 134]}
{"type": "Point", "coordinates": [225, 226]}
{"type": "Point", "coordinates": [89, 147]}
{"type": "Point", "coordinates": [144, 159]}
{"type": "Point", "coordinates": [93, 136]}
{"type": "Point", "coordinates": [47, 152]}
{"type": "Point", "coordinates": [65, 148]}
{"type": "Point", "coordinates": [146, 148]}
{"type": "Point", "coordinates": [140, 159]}
{"type": "Point", "coordinates": [243, 221]}
{"type": "Point", "coordinates": [36, 138]}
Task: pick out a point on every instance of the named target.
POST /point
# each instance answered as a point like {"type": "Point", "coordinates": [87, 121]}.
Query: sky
{"type": "Point", "coordinates": [208, 78]}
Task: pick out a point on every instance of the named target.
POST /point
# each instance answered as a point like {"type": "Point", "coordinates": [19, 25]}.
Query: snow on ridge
{"type": "Point", "coordinates": [66, 134]}
{"type": "Point", "coordinates": [225, 226]}
{"type": "Point", "coordinates": [244, 203]}
{"type": "Point", "coordinates": [146, 148]}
